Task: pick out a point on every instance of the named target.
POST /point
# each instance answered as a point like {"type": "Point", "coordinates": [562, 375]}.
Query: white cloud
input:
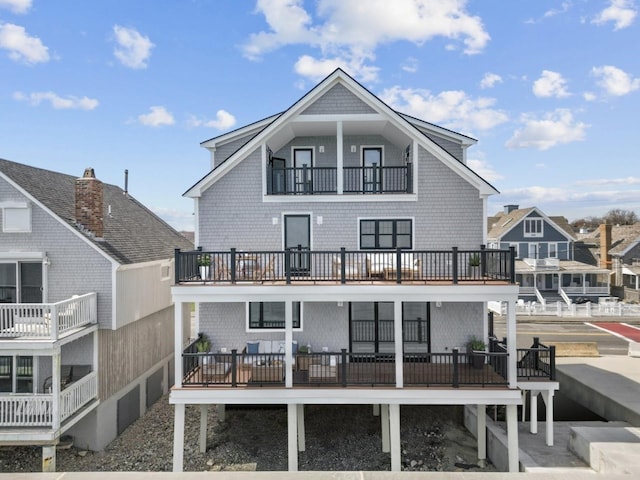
{"type": "Point", "coordinates": [181, 220]}
{"type": "Point", "coordinates": [621, 12]}
{"type": "Point", "coordinates": [589, 96]}
{"type": "Point", "coordinates": [550, 84]}
{"type": "Point", "coordinates": [484, 169]}
{"type": "Point", "coordinates": [223, 121]}
{"type": "Point", "coordinates": [615, 81]}
{"type": "Point", "coordinates": [453, 109]}
{"type": "Point", "coordinates": [490, 80]}
{"type": "Point", "coordinates": [157, 117]}
{"type": "Point", "coordinates": [564, 8]}
{"type": "Point", "coordinates": [351, 30]}
{"type": "Point", "coordinates": [611, 181]}
{"type": "Point", "coordinates": [573, 196]}
{"type": "Point", "coordinates": [315, 69]}
{"type": "Point", "coordinates": [16, 6]}
{"type": "Point", "coordinates": [133, 49]}
{"type": "Point", "coordinates": [554, 128]}
{"type": "Point", "coordinates": [22, 47]}
{"type": "Point", "coordinates": [59, 103]}
{"type": "Point", "coordinates": [410, 65]}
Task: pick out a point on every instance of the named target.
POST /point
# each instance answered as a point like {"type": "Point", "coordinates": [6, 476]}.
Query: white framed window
{"type": "Point", "coordinates": [16, 218]}
{"type": "Point", "coordinates": [533, 227]}
{"type": "Point", "coordinates": [553, 250]}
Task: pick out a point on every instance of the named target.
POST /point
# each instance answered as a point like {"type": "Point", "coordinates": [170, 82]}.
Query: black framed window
{"type": "Point", "coordinates": [270, 315]}
{"type": "Point", "coordinates": [386, 234]}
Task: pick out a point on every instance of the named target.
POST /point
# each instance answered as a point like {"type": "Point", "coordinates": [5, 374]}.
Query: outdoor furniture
{"type": "Point", "coordinates": [384, 265]}
{"type": "Point", "coordinates": [324, 373]}
{"type": "Point", "coordinates": [268, 372]}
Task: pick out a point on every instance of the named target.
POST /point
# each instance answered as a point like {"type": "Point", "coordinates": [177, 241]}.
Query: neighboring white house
{"type": "Point", "coordinates": [86, 338]}
{"type": "Point", "coordinates": [342, 261]}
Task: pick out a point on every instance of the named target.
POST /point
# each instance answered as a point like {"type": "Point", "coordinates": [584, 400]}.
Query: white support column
{"type": "Point", "coordinates": [481, 412]}
{"type": "Point", "coordinates": [548, 397]}
{"type": "Point", "coordinates": [222, 412]}
{"type": "Point", "coordinates": [301, 434]}
{"type": "Point", "coordinates": [288, 343]}
{"type": "Point", "coordinates": [533, 412]}
{"type": "Point", "coordinates": [512, 438]}
{"type": "Point", "coordinates": [178, 437]}
{"type": "Point", "coordinates": [177, 344]}
{"type": "Point", "coordinates": [339, 158]}
{"type": "Point", "coordinates": [397, 332]}
{"type": "Point", "coordinates": [384, 421]}
{"type": "Point", "coordinates": [512, 371]}
{"type": "Point", "coordinates": [292, 434]}
{"type": "Point", "coordinates": [55, 388]}
{"type": "Point", "coordinates": [394, 427]}
{"type": "Point", "coordinates": [523, 396]}
{"type": "Point", "coordinates": [203, 427]}
{"type": "Point", "coordinates": [48, 458]}
{"type": "Point", "coordinates": [376, 409]}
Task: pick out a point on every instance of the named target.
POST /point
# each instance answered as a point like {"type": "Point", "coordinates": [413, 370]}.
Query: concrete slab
{"type": "Point", "coordinates": [609, 386]}
{"type": "Point", "coordinates": [607, 449]}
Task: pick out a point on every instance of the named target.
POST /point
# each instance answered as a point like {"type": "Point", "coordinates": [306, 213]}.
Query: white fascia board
{"type": "Point", "coordinates": [630, 247]}
{"type": "Point", "coordinates": [411, 197]}
{"type": "Point", "coordinates": [344, 293]}
{"type": "Point", "coordinates": [240, 132]}
{"type": "Point", "coordinates": [455, 136]}
{"type": "Point", "coordinates": [345, 396]}
{"type": "Point", "coordinates": [538, 386]}
{"type": "Point", "coordinates": [58, 219]}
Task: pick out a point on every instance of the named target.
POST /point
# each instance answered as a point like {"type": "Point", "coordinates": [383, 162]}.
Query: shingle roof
{"type": "Point", "coordinates": [622, 237]}
{"type": "Point", "coordinates": [132, 233]}
{"type": "Point", "coordinates": [500, 223]}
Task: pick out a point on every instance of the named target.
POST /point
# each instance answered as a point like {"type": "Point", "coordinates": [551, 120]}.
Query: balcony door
{"type": "Point", "coordinates": [371, 169]}
{"type": "Point", "coordinates": [297, 237]}
{"type": "Point", "coordinates": [303, 163]}
{"type": "Point", "coordinates": [21, 282]}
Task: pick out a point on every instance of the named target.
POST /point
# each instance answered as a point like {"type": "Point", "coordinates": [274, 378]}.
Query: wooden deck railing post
{"type": "Point", "coordinates": [234, 370]}
{"type": "Point", "coordinates": [455, 368]}
{"type": "Point", "coordinates": [287, 265]}
{"type": "Point", "coordinates": [552, 363]}
{"type": "Point", "coordinates": [343, 267]}
{"type": "Point", "coordinates": [343, 367]}
{"type": "Point", "coordinates": [176, 266]}
{"type": "Point", "coordinates": [512, 264]}
{"type": "Point", "coordinates": [483, 261]}
{"type": "Point", "coordinates": [233, 265]}
{"type": "Point", "coordinates": [399, 265]}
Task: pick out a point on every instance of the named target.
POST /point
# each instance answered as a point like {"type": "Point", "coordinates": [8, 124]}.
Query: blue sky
{"type": "Point", "coordinates": [551, 89]}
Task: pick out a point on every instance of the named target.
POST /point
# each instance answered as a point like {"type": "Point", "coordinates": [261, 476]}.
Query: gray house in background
{"type": "Point", "coordinates": [548, 265]}
{"type": "Point", "coordinates": [86, 337]}
{"type": "Point", "coordinates": [342, 261]}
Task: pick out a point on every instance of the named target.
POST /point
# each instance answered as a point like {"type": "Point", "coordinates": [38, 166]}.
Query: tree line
{"type": "Point", "coordinates": [616, 216]}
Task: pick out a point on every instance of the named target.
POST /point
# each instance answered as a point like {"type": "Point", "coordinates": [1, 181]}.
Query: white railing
{"type": "Point", "coordinates": [78, 394]}
{"type": "Point", "coordinates": [543, 263]}
{"type": "Point", "coordinates": [26, 410]}
{"type": "Point", "coordinates": [47, 320]}
{"type": "Point", "coordinates": [561, 309]}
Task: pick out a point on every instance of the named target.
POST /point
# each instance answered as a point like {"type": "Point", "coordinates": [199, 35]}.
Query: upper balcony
{"type": "Point", "coordinates": [292, 266]}
{"type": "Point", "coordinates": [47, 321]}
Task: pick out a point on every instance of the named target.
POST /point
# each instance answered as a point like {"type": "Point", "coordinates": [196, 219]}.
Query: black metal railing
{"type": "Point", "coordinates": [537, 362]}
{"type": "Point", "coordinates": [343, 369]}
{"type": "Point", "coordinates": [324, 180]}
{"type": "Point", "coordinates": [342, 266]}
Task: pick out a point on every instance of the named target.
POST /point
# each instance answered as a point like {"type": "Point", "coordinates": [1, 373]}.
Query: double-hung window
{"type": "Point", "coordinates": [270, 315]}
{"type": "Point", "coordinates": [386, 234]}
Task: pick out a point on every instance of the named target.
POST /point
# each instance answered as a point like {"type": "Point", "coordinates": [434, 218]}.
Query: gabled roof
{"type": "Point", "coordinates": [273, 123]}
{"type": "Point", "coordinates": [132, 233]}
{"type": "Point", "coordinates": [623, 238]}
{"type": "Point", "coordinates": [502, 223]}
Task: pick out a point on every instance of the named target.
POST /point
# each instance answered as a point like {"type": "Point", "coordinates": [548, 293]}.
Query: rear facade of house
{"type": "Point", "coordinates": [341, 260]}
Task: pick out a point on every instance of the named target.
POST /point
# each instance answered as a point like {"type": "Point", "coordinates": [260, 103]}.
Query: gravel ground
{"type": "Point", "coordinates": [337, 438]}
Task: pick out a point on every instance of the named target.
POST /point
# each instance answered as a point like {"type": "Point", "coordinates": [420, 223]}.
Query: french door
{"type": "Point", "coordinates": [297, 238]}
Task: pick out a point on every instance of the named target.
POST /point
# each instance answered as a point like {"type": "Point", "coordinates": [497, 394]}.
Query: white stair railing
{"type": "Point", "coordinates": [77, 395]}
{"type": "Point", "coordinates": [26, 410]}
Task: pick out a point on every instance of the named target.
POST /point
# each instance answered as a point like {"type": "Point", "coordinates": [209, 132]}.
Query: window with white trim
{"type": "Point", "coordinates": [16, 219]}
{"type": "Point", "coordinates": [533, 227]}
{"type": "Point", "coordinates": [270, 315]}
{"type": "Point", "coordinates": [553, 250]}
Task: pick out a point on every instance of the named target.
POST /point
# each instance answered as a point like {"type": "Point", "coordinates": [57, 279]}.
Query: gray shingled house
{"type": "Point", "coordinates": [342, 261]}
{"type": "Point", "coordinates": [86, 337]}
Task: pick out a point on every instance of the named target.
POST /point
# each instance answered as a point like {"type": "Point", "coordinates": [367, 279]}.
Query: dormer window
{"type": "Point", "coordinates": [533, 227]}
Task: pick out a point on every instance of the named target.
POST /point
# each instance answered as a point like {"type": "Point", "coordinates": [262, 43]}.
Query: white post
{"type": "Point", "coordinates": [178, 437]}
{"type": "Point", "coordinates": [376, 409]}
{"type": "Point", "coordinates": [301, 435]}
{"type": "Point", "coordinates": [394, 427]}
{"type": "Point", "coordinates": [177, 346]}
{"type": "Point", "coordinates": [222, 412]}
{"type": "Point", "coordinates": [288, 343]}
{"type": "Point", "coordinates": [533, 413]}
{"type": "Point", "coordinates": [48, 458]}
{"type": "Point", "coordinates": [55, 389]}
{"type": "Point", "coordinates": [512, 438]}
{"type": "Point", "coordinates": [384, 421]}
{"type": "Point", "coordinates": [548, 396]}
{"type": "Point", "coordinates": [397, 333]}
{"type": "Point", "coordinates": [481, 411]}
{"type": "Point", "coordinates": [203, 427]}
{"type": "Point", "coordinates": [292, 441]}
{"type": "Point", "coordinates": [339, 158]}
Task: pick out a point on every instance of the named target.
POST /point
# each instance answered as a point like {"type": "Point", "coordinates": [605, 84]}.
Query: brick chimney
{"type": "Point", "coordinates": [605, 246]}
{"type": "Point", "coordinates": [89, 203]}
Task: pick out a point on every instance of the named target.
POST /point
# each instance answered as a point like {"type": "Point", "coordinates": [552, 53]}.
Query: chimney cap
{"type": "Point", "coordinates": [89, 173]}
